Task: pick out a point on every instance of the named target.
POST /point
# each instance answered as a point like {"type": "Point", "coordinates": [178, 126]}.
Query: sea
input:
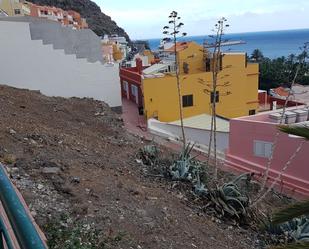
{"type": "Point", "coordinates": [273, 44]}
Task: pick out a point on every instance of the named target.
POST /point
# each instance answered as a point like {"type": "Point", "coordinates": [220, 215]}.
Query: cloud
{"type": "Point", "coordinates": [144, 19]}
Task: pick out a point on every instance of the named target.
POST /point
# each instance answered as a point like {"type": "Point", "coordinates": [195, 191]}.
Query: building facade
{"type": "Point", "coordinates": [237, 87]}
{"type": "Point", "coordinates": [15, 8]}
{"type": "Point", "coordinates": [131, 84]}
{"type": "Point", "coordinates": [237, 93]}
{"type": "Point", "coordinates": [250, 147]}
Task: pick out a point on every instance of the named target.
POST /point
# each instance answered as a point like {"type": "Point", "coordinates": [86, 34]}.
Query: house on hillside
{"type": "Point", "coordinates": [114, 48]}
{"type": "Point", "coordinates": [15, 8]}
{"type": "Point", "coordinates": [154, 88]}
{"type": "Point", "coordinates": [68, 18]}
{"type": "Point", "coordinates": [251, 141]}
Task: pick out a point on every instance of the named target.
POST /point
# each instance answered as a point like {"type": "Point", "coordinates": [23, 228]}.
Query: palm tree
{"type": "Point", "coordinates": [298, 209]}
{"type": "Point", "coordinates": [257, 55]}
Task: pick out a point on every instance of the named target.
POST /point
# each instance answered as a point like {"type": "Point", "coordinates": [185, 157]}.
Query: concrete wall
{"type": "Point", "coordinates": [199, 136]}
{"type": "Point", "coordinates": [27, 63]}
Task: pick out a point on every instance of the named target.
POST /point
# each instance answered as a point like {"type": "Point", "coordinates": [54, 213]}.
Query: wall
{"type": "Point", "coordinates": [132, 77]}
{"type": "Point", "coordinates": [160, 94]}
{"type": "Point", "coordinates": [27, 63]}
{"type": "Point", "coordinates": [241, 156]}
{"type": "Point", "coordinates": [199, 136]}
{"type": "Point", "coordinates": [193, 55]}
{"type": "Point", "coordinates": [265, 98]}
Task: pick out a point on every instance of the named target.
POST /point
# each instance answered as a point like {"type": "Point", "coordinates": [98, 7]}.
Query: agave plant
{"type": "Point", "coordinates": [294, 222]}
{"type": "Point", "coordinates": [199, 187]}
{"type": "Point", "coordinates": [229, 199]}
{"type": "Point", "coordinates": [185, 167]}
{"type": "Point", "coordinates": [149, 154]}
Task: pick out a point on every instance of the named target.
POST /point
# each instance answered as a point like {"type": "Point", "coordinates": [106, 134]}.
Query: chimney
{"type": "Point", "coordinates": [139, 65]}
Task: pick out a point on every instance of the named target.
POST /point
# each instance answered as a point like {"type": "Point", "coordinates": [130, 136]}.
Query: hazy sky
{"type": "Point", "coordinates": [145, 19]}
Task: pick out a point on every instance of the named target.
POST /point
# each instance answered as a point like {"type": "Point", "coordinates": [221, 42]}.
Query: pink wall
{"type": "Point", "coordinates": [240, 154]}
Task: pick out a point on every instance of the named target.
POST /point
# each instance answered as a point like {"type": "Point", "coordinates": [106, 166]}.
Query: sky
{"type": "Point", "coordinates": [144, 19]}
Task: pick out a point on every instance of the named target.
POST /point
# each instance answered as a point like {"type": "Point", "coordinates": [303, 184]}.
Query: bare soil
{"type": "Point", "coordinates": [73, 158]}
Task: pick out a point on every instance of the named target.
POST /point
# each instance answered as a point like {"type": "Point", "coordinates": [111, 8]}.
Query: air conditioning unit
{"type": "Point", "coordinates": [301, 115]}
{"type": "Point", "coordinates": [275, 117]}
{"type": "Point", "coordinates": [290, 117]}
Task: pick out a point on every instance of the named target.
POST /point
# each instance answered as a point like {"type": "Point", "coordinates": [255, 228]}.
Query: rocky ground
{"type": "Point", "coordinates": [76, 167]}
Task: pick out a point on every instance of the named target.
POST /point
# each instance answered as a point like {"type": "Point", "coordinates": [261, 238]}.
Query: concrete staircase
{"type": "Point", "coordinates": [83, 43]}
{"type": "Point", "coordinates": [38, 54]}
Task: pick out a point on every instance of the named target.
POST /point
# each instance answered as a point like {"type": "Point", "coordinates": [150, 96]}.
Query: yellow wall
{"type": "Point", "coordinates": [117, 54]}
{"type": "Point", "coordinates": [150, 56]}
{"type": "Point", "coordinates": [161, 99]}
{"type": "Point", "coordinates": [193, 56]}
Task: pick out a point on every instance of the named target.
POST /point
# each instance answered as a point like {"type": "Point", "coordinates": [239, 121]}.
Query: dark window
{"type": "Point", "coordinates": [187, 100]}
{"type": "Point", "coordinates": [208, 65]}
{"type": "Point", "coordinates": [246, 60]}
{"type": "Point", "coordinates": [212, 97]}
{"type": "Point", "coordinates": [251, 112]}
{"type": "Point", "coordinates": [185, 67]}
{"type": "Point", "coordinates": [17, 11]}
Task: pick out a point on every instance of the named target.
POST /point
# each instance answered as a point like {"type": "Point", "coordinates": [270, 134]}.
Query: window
{"type": "Point", "coordinates": [221, 56]}
{"type": "Point", "coordinates": [134, 90]}
{"type": "Point", "coordinates": [17, 11]}
{"type": "Point", "coordinates": [185, 67]}
{"type": "Point", "coordinates": [208, 65]}
{"type": "Point", "coordinates": [212, 97]}
{"type": "Point", "coordinates": [251, 112]}
{"type": "Point", "coordinates": [187, 100]}
{"type": "Point", "coordinates": [262, 148]}
{"type": "Point", "coordinates": [125, 86]}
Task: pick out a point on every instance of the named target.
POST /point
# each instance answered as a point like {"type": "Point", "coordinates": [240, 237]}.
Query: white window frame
{"type": "Point", "coordinates": [126, 88]}
{"type": "Point", "coordinates": [262, 148]}
{"type": "Point", "coordinates": [134, 90]}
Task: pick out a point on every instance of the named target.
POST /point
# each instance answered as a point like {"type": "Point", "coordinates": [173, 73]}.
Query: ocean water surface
{"type": "Point", "coordinates": [273, 44]}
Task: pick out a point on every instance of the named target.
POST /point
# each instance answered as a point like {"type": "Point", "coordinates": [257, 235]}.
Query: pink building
{"type": "Point", "coordinates": [250, 145]}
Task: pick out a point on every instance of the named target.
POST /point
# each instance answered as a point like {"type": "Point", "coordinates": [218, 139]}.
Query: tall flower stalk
{"type": "Point", "coordinates": [216, 68]}
{"type": "Point", "coordinates": [172, 31]}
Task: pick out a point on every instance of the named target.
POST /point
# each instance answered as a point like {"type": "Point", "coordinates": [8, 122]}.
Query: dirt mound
{"type": "Point", "coordinates": [74, 162]}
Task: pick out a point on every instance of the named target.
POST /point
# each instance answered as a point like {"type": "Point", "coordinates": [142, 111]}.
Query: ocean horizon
{"type": "Point", "coordinates": [273, 44]}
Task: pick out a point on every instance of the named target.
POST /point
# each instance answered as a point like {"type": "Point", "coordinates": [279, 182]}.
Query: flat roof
{"type": "Point", "coordinates": [203, 121]}
{"type": "Point", "coordinates": [154, 68]}
{"type": "Point", "coordinates": [264, 116]}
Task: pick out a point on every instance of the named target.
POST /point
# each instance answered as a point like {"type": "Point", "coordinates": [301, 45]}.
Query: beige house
{"type": "Point", "coordinates": [15, 7]}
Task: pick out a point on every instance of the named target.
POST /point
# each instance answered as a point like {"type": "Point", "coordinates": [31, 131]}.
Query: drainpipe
{"type": "Point", "coordinates": [24, 230]}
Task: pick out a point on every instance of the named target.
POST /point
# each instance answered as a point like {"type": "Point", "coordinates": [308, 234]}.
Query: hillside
{"type": "Point", "coordinates": [99, 22]}
{"type": "Point", "coordinates": [75, 164]}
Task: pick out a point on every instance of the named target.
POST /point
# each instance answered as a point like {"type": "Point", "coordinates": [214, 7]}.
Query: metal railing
{"type": "Point", "coordinates": [20, 221]}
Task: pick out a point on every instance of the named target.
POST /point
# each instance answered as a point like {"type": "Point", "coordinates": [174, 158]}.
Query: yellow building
{"type": "Point", "coordinates": [15, 7]}
{"type": "Point", "coordinates": [237, 85]}
{"type": "Point", "coordinates": [150, 55]}
{"type": "Point", "coordinates": [117, 53]}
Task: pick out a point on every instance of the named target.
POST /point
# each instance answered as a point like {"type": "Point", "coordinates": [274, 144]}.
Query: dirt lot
{"type": "Point", "coordinates": [72, 158]}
